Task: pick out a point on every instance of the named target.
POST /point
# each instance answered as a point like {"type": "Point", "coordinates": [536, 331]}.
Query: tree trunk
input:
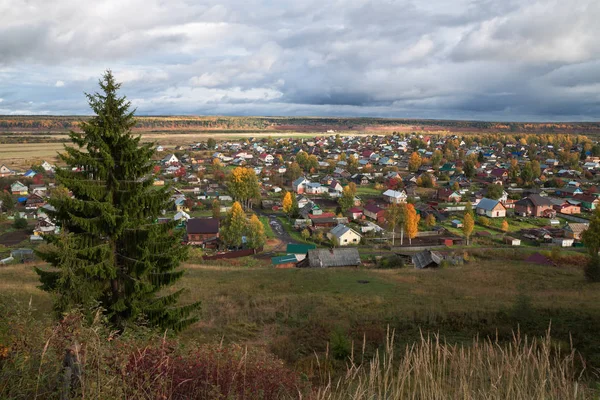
{"type": "Point", "coordinates": [393, 235]}
{"type": "Point", "coordinates": [402, 236]}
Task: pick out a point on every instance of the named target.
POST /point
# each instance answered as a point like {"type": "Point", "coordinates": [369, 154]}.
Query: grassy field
{"type": "Point", "coordinates": [294, 313]}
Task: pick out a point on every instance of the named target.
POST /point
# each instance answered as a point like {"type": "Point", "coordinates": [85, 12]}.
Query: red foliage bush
{"type": "Point", "coordinates": [208, 373]}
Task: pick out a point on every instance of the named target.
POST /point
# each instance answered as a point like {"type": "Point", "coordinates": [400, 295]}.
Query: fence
{"type": "Point", "coordinates": [572, 218]}
{"type": "Point", "coordinates": [233, 254]}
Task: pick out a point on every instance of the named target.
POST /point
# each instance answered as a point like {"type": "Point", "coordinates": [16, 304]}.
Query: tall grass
{"type": "Point", "coordinates": [431, 369]}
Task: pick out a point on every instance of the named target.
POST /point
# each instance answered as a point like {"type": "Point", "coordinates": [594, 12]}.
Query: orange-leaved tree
{"type": "Point", "coordinates": [412, 222]}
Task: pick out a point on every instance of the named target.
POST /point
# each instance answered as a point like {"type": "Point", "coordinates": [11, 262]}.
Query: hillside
{"type": "Point", "coordinates": [58, 124]}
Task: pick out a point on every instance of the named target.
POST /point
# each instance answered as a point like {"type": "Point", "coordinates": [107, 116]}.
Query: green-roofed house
{"type": "Point", "coordinates": [449, 168]}
{"type": "Point", "coordinates": [287, 261]}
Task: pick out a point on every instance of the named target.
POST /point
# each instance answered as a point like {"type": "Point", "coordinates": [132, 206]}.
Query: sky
{"type": "Point", "coordinates": [503, 60]}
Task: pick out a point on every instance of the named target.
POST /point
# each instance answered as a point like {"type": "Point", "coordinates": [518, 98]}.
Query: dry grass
{"type": "Point", "coordinates": [431, 369]}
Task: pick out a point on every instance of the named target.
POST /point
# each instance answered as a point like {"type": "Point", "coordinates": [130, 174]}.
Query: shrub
{"type": "Point", "coordinates": [592, 269]}
{"type": "Point", "coordinates": [341, 347]}
{"type": "Point", "coordinates": [20, 223]}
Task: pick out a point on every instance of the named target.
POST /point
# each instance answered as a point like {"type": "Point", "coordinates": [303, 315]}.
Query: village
{"type": "Point", "coordinates": [342, 201]}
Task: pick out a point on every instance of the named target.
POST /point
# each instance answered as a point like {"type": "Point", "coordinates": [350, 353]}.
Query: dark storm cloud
{"type": "Point", "coordinates": [472, 59]}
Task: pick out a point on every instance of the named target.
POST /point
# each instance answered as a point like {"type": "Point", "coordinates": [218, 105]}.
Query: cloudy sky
{"type": "Point", "coordinates": [452, 59]}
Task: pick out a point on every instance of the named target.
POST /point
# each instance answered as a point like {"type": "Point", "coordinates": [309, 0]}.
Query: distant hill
{"type": "Point", "coordinates": [59, 124]}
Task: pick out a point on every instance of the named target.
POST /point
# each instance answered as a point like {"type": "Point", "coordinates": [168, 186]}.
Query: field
{"type": "Point", "coordinates": [294, 313]}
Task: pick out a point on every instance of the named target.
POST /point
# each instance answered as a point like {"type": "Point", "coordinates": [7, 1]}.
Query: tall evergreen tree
{"type": "Point", "coordinates": [111, 253]}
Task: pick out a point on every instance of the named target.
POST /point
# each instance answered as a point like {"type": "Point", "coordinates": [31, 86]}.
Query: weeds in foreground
{"type": "Point", "coordinates": [432, 369]}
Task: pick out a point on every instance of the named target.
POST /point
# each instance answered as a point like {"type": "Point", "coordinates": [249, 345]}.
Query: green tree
{"type": "Point", "coordinates": [395, 216]}
{"type": "Point", "coordinates": [293, 171]}
{"type": "Point", "coordinates": [346, 200]}
{"type": "Point", "coordinates": [110, 248]}
{"type": "Point", "coordinates": [216, 208]}
{"type": "Point", "coordinates": [7, 201]}
{"type": "Point", "coordinates": [469, 169]}
{"type": "Point", "coordinates": [527, 173]}
{"type": "Point", "coordinates": [305, 234]}
{"type": "Point", "coordinates": [591, 240]}
{"type": "Point", "coordinates": [234, 226]}
{"type": "Point", "coordinates": [211, 143]}
{"type": "Point", "coordinates": [494, 191]}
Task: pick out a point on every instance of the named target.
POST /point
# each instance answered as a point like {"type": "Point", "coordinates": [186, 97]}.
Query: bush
{"type": "Point", "coordinates": [20, 223]}
{"type": "Point", "coordinates": [592, 269]}
{"type": "Point", "coordinates": [341, 347]}
{"type": "Point", "coordinates": [391, 262]}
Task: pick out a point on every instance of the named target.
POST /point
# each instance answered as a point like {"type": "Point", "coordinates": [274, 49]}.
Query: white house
{"type": "Point", "coordinates": [394, 196]}
{"type": "Point", "coordinates": [316, 188]}
{"type": "Point", "coordinates": [170, 159]}
{"type": "Point", "coordinates": [299, 185]}
{"type": "Point", "coordinates": [345, 236]}
{"type": "Point", "coordinates": [5, 171]}
{"type": "Point", "coordinates": [490, 208]}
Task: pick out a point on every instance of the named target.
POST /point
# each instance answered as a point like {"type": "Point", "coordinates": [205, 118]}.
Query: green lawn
{"type": "Point", "coordinates": [268, 230]}
{"type": "Point", "coordinates": [293, 312]}
{"type": "Point", "coordinates": [367, 191]}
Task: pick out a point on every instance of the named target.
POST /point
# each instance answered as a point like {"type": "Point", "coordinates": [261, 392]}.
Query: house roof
{"type": "Point", "coordinates": [325, 258]}
{"type": "Point", "coordinates": [341, 230]}
{"type": "Point", "coordinates": [202, 225]}
{"type": "Point", "coordinates": [294, 248]}
{"type": "Point", "coordinates": [394, 193]}
{"type": "Point", "coordinates": [374, 208]}
{"type": "Point", "coordinates": [289, 258]}
{"type": "Point", "coordinates": [425, 258]}
{"type": "Point", "coordinates": [577, 227]}
{"type": "Point", "coordinates": [487, 204]}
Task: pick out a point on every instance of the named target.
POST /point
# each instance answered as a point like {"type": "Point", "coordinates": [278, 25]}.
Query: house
{"type": "Point", "coordinates": [299, 185]}
{"type": "Point", "coordinates": [355, 213]}
{"type": "Point", "coordinates": [563, 242]}
{"type": "Point", "coordinates": [181, 216]}
{"type": "Point", "coordinates": [490, 208]}
{"type": "Point", "coordinates": [171, 159]}
{"type": "Point", "coordinates": [395, 197]}
{"type": "Point", "coordinates": [344, 235]}
{"type": "Point", "coordinates": [427, 259]}
{"type": "Point", "coordinates": [45, 226]}
{"type": "Point", "coordinates": [315, 188]}
{"type": "Point", "coordinates": [511, 241]}
{"type": "Point", "coordinates": [535, 206]}
{"type": "Point", "coordinates": [266, 158]}
{"type": "Point", "coordinates": [587, 202]}
{"type": "Point", "coordinates": [46, 166]}
{"type": "Point", "coordinates": [5, 171]}
{"type": "Point", "coordinates": [18, 188]}
{"type": "Point", "coordinates": [448, 195]}
{"type": "Point", "coordinates": [201, 231]}
{"type": "Point", "coordinates": [299, 250]}
{"type": "Point", "coordinates": [568, 207]}
{"type": "Point", "coordinates": [160, 148]}
{"type": "Point", "coordinates": [456, 223]}
{"type": "Point", "coordinates": [373, 211]}
{"type": "Point", "coordinates": [573, 230]}
{"type": "Point", "coordinates": [326, 258]}
{"type": "Point", "coordinates": [34, 202]}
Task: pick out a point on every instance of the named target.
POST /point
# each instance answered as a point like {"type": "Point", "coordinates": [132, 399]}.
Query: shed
{"type": "Point", "coordinates": [456, 223]}
{"type": "Point", "coordinates": [512, 241]}
{"type": "Point", "coordinates": [325, 258]}
{"type": "Point", "coordinates": [427, 259]}
{"type": "Point", "coordinates": [287, 261]}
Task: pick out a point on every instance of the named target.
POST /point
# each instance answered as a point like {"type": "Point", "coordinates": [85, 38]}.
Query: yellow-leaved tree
{"type": "Point", "coordinates": [287, 203]}
{"type": "Point", "coordinates": [412, 222]}
{"type": "Point", "coordinates": [468, 225]}
{"type": "Point", "coordinates": [504, 226]}
{"type": "Point", "coordinates": [414, 162]}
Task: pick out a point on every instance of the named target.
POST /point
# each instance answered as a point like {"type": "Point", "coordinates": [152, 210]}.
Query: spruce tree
{"type": "Point", "coordinates": [111, 254]}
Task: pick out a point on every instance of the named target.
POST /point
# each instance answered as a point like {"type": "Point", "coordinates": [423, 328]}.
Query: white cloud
{"type": "Point", "coordinates": [436, 59]}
